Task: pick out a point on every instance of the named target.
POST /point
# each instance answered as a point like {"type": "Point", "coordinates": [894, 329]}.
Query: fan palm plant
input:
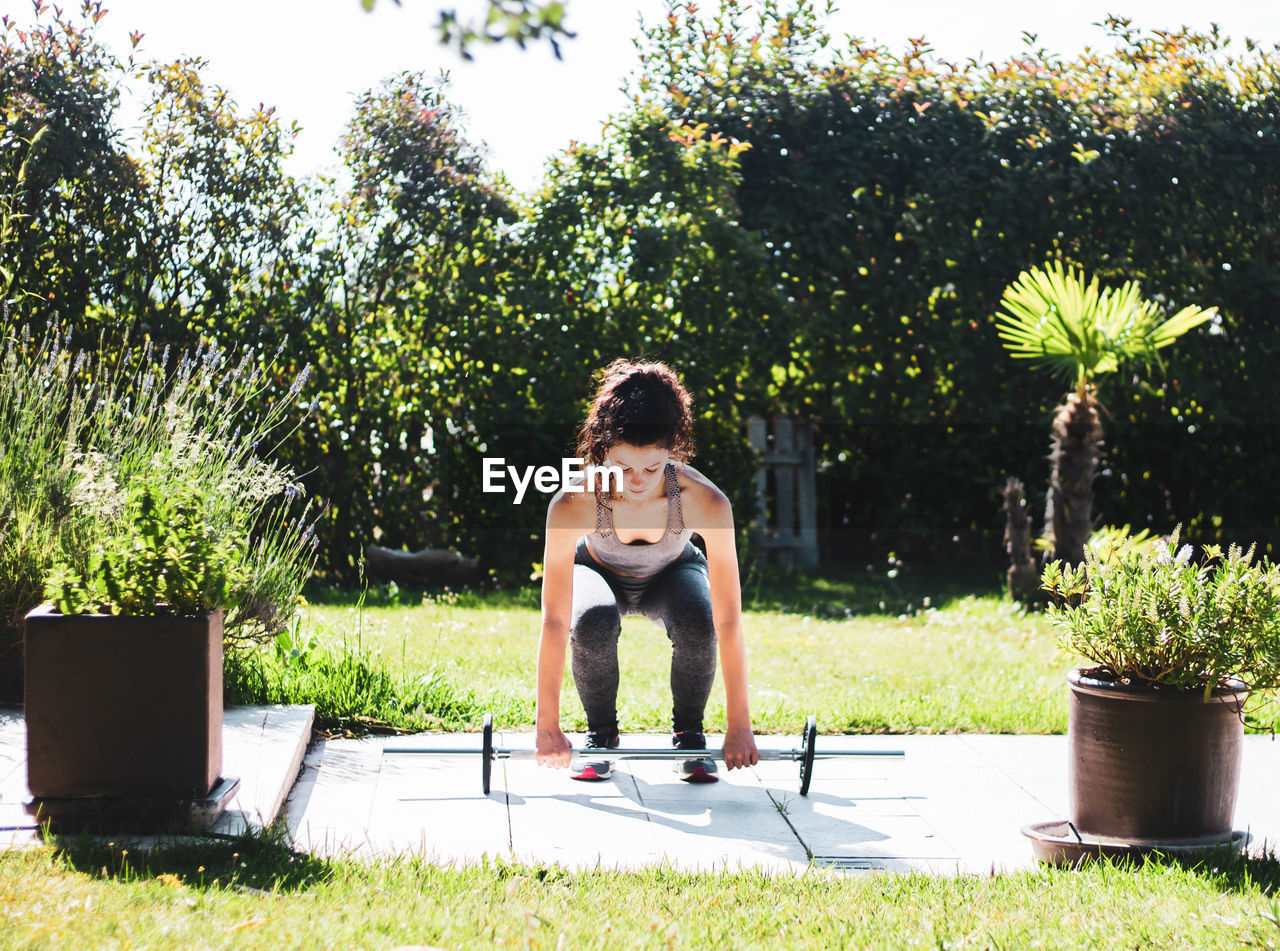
{"type": "Point", "coordinates": [1079, 331]}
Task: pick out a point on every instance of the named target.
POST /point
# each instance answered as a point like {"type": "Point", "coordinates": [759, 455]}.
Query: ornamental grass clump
{"type": "Point", "coordinates": [1149, 613]}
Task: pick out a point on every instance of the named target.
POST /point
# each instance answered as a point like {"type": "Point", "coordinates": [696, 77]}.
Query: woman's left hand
{"type": "Point", "coordinates": [740, 748]}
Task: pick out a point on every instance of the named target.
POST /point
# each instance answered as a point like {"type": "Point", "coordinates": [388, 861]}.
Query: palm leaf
{"type": "Point", "coordinates": [1180, 323]}
{"type": "Point", "coordinates": [1048, 319]}
{"type": "Point", "coordinates": [1077, 330]}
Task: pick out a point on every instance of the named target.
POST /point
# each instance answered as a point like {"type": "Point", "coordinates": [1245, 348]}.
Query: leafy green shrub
{"type": "Point", "coordinates": [162, 557]}
{"type": "Point", "coordinates": [1145, 612]}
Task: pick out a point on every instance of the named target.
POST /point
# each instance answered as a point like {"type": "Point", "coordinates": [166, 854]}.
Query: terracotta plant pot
{"type": "Point", "coordinates": [123, 706]}
{"type": "Point", "coordinates": [1150, 763]}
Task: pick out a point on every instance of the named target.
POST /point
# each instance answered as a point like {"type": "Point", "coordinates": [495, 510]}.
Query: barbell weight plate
{"type": "Point", "coordinates": [486, 752]}
{"type": "Point", "coordinates": [806, 763]}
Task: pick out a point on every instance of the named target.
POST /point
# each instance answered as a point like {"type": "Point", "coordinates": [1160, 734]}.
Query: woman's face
{"type": "Point", "coordinates": [642, 469]}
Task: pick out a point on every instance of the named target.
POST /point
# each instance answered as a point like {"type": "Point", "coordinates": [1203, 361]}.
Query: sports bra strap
{"type": "Point", "coordinates": [675, 510]}
{"type": "Point", "coordinates": [603, 530]}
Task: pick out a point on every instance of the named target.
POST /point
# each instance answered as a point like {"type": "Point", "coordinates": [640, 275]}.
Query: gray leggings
{"type": "Point", "coordinates": [679, 598]}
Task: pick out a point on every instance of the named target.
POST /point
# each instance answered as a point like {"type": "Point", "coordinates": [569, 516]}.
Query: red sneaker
{"type": "Point", "coordinates": [591, 770]}
{"type": "Point", "coordinates": [694, 770]}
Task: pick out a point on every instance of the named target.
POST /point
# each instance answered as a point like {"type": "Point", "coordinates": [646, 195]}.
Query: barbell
{"type": "Point", "coordinates": [806, 754]}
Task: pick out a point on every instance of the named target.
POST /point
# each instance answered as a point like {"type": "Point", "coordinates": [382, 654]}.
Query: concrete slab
{"type": "Point", "coordinates": [331, 807]}
{"type": "Point", "coordinates": [437, 810]}
{"type": "Point", "coordinates": [867, 813]}
{"type": "Point", "coordinates": [1257, 811]}
{"type": "Point", "coordinates": [13, 747]}
{"type": "Point", "coordinates": [525, 778]}
{"type": "Point", "coordinates": [955, 804]}
{"type": "Point", "coordinates": [262, 746]}
{"type": "Point", "coordinates": [733, 823]}
{"type": "Point", "coordinates": [980, 815]}
{"type": "Point", "coordinates": [587, 829]}
{"type": "Point", "coordinates": [658, 781]}
{"type": "Point", "coordinates": [554, 818]}
{"type": "Point", "coordinates": [15, 824]}
{"type": "Point", "coordinates": [733, 835]}
{"type": "Point", "coordinates": [832, 828]}
{"type": "Point", "coordinates": [869, 797]}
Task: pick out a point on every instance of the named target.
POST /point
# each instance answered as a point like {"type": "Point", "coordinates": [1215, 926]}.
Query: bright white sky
{"type": "Point", "coordinates": [310, 58]}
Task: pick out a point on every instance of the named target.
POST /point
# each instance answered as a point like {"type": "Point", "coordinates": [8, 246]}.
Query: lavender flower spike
{"type": "Point", "coordinates": [301, 380]}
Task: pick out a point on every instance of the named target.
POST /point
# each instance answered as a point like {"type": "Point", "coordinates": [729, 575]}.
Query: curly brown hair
{"type": "Point", "coordinates": [640, 404]}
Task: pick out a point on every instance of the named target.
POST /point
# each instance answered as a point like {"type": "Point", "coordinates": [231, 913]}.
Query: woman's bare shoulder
{"type": "Point", "coordinates": [572, 510]}
{"type": "Point", "coordinates": [701, 499]}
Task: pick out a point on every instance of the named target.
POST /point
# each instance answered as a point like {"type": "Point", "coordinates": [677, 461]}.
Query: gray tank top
{"type": "Point", "coordinates": [640, 558]}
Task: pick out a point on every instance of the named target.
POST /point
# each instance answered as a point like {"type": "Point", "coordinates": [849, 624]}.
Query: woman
{"type": "Point", "coordinates": [609, 554]}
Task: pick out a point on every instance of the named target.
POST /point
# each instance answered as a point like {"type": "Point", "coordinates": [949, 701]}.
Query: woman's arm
{"type": "Point", "coordinates": [563, 531]}
{"type": "Point", "coordinates": [714, 517]}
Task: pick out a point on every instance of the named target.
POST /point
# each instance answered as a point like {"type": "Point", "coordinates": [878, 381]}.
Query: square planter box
{"type": "Point", "coordinates": [126, 707]}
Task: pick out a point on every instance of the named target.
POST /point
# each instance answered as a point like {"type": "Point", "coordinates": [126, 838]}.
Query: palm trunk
{"type": "Point", "coordinates": [1075, 451]}
{"type": "Point", "coordinates": [1023, 577]}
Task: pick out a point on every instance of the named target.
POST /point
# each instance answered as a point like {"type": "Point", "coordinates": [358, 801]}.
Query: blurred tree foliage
{"type": "Point", "coordinates": [514, 21]}
{"type": "Point", "coordinates": [75, 211]}
{"type": "Point", "coordinates": [898, 194]}
{"type": "Point", "coordinates": [405, 320]}
{"type": "Point", "coordinates": [803, 225]}
{"type": "Point", "coordinates": [632, 247]}
{"type": "Point", "coordinates": [217, 212]}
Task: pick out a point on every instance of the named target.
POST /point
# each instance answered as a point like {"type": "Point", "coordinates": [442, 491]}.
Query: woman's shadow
{"type": "Point", "coordinates": [765, 818]}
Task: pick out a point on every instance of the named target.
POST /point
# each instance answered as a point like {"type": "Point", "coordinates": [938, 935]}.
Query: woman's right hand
{"type": "Point", "coordinates": [553, 748]}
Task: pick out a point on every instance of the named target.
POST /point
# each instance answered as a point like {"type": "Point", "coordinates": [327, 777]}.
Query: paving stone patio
{"type": "Point", "coordinates": [953, 804]}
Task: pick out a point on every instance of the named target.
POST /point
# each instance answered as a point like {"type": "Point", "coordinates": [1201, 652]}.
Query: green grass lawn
{"type": "Point", "coordinates": [971, 664]}
{"type": "Point", "coordinates": [867, 652]}
{"type": "Point", "coordinates": [255, 894]}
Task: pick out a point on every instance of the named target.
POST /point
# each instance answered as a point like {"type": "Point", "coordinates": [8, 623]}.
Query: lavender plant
{"type": "Point", "coordinates": [1146, 612]}
{"type": "Point", "coordinates": [83, 433]}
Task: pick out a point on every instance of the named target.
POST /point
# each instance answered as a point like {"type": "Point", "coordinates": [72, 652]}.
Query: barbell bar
{"type": "Point", "coordinates": [488, 753]}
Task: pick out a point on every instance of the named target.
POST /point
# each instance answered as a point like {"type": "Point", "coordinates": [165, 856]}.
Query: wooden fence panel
{"type": "Point", "coordinates": [792, 533]}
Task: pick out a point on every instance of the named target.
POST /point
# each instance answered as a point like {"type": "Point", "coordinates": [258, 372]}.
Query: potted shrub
{"type": "Point", "coordinates": [1155, 724]}
{"type": "Point", "coordinates": [123, 677]}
